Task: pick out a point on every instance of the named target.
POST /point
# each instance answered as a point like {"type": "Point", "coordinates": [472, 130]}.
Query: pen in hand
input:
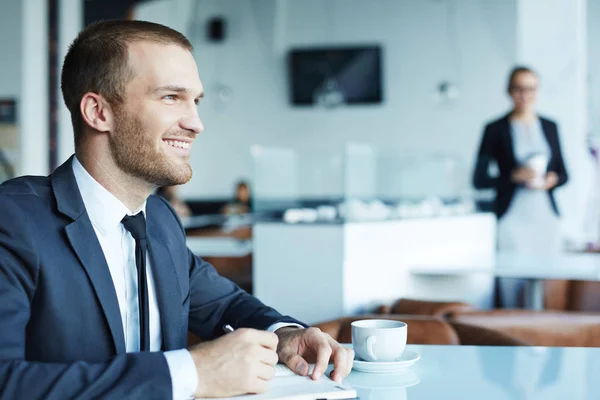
{"type": "Point", "coordinates": [283, 369]}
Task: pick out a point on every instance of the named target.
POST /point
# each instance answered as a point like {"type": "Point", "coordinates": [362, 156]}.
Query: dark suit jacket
{"type": "Point", "coordinates": [61, 334]}
{"type": "Point", "coordinates": [497, 145]}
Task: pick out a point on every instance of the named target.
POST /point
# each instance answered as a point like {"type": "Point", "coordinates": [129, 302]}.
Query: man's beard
{"type": "Point", "coordinates": [136, 154]}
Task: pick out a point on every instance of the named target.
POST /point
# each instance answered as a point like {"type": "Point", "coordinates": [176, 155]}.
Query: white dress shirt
{"type": "Point", "coordinates": [106, 212]}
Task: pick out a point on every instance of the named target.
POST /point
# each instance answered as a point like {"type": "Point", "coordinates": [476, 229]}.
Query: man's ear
{"type": "Point", "coordinates": [96, 112]}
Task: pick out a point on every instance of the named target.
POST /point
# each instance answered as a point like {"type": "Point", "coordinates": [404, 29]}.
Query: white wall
{"type": "Point", "coordinates": [24, 76]}
{"type": "Point", "coordinates": [593, 51]}
{"type": "Point", "coordinates": [10, 68]}
{"type": "Point", "coordinates": [561, 24]}
{"type": "Point", "coordinates": [71, 22]}
{"type": "Point", "coordinates": [592, 228]}
{"type": "Point", "coordinates": [33, 117]}
{"type": "Point", "coordinates": [10, 48]}
{"type": "Point", "coordinates": [471, 42]}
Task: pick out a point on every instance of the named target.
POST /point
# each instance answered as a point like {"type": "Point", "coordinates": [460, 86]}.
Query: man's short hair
{"type": "Point", "coordinates": [97, 61]}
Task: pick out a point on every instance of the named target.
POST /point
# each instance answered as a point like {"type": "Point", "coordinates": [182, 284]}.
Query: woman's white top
{"type": "Point", "coordinates": [530, 225]}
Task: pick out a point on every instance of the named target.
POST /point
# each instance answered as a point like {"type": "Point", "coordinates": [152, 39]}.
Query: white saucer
{"type": "Point", "coordinates": [407, 359]}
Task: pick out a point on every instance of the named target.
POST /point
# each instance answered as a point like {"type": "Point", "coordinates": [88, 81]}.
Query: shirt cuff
{"type": "Point", "coordinates": [280, 325]}
{"type": "Point", "coordinates": [184, 377]}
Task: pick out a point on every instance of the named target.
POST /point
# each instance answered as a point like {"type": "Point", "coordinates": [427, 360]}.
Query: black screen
{"type": "Point", "coordinates": [334, 76]}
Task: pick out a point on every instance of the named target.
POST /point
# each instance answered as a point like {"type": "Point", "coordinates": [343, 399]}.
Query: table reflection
{"type": "Point", "coordinates": [383, 386]}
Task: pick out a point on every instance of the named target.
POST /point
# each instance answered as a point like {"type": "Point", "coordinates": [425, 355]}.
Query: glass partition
{"type": "Point", "coordinates": [357, 183]}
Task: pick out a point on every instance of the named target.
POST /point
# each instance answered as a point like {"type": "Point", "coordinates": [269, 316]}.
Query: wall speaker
{"type": "Point", "coordinates": [216, 29]}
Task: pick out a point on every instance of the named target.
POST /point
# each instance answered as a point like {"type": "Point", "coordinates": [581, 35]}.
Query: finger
{"type": "Point", "coordinates": [265, 372]}
{"type": "Point", "coordinates": [296, 363]}
{"type": "Point", "coordinates": [350, 361]}
{"type": "Point", "coordinates": [269, 340]}
{"type": "Point", "coordinates": [258, 386]}
{"type": "Point", "coordinates": [344, 371]}
{"type": "Point", "coordinates": [323, 350]}
{"type": "Point", "coordinates": [267, 356]}
{"type": "Point", "coordinates": [340, 359]}
{"type": "Point", "coordinates": [264, 338]}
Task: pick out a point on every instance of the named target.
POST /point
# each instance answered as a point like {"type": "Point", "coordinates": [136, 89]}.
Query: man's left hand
{"type": "Point", "coordinates": [299, 347]}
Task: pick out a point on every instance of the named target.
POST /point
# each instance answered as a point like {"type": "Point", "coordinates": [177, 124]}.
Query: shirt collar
{"type": "Point", "coordinates": [103, 208]}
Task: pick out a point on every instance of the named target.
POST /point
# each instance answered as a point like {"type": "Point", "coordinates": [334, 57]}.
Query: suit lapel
{"type": "Point", "coordinates": [83, 238]}
{"type": "Point", "coordinates": [546, 130]}
{"type": "Point", "coordinates": [84, 242]}
{"type": "Point", "coordinates": [166, 281]}
{"type": "Point", "coordinates": [508, 142]}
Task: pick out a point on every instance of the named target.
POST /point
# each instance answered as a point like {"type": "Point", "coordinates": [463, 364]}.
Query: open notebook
{"type": "Point", "coordinates": [286, 385]}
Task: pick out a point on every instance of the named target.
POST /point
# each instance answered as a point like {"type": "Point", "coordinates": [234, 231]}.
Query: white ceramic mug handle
{"type": "Point", "coordinates": [370, 341]}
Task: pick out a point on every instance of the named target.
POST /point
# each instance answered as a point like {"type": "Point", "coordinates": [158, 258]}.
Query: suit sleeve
{"type": "Point", "coordinates": [559, 164]}
{"type": "Point", "coordinates": [137, 374]}
{"type": "Point", "coordinates": [485, 155]}
{"type": "Point", "coordinates": [215, 301]}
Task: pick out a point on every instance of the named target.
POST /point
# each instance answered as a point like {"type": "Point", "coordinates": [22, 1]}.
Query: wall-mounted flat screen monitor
{"type": "Point", "coordinates": [335, 75]}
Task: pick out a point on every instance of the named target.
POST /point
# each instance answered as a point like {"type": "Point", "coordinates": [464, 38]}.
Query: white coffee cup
{"type": "Point", "coordinates": [539, 164]}
{"type": "Point", "coordinates": [379, 339]}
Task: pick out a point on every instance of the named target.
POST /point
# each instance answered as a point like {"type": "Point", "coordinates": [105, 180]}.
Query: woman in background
{"type": "Point", "coordinates": [526, 149]}
{"type": "Point", "coordinates": [169, 193]}
{"type": "Point", "coordinates": [241, 202]}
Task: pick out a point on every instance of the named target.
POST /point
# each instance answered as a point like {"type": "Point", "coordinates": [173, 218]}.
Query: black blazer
{"type": "Point", "coordinates": [61, 335]}
{"type": "Point", "coordinates": [497, 145]}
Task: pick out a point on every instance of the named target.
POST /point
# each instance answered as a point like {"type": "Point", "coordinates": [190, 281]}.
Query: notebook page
{"type": "Point", "coordinates": [295, 387]}
{"type": "Point", "coordinates": [284, 370]}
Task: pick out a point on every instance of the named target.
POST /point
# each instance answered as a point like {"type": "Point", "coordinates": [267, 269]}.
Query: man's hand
{"type": "Point", "coordinates": [240, 362]}
{"type": "Point", "coordinates": [299, 347]}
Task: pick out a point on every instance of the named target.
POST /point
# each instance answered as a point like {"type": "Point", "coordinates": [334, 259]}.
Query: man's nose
{"type": "Point", "coordinates": [192, 123]}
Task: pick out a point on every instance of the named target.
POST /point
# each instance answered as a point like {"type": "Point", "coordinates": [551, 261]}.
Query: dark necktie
{"type": "Point", "coordinates": [136, 225]}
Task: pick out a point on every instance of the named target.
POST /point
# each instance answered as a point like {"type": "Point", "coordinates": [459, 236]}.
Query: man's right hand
{"type": "Point", "coordinates": [237, 363]}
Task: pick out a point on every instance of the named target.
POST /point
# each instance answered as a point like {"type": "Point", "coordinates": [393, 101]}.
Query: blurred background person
{"type": "Point", "coordinates": [169, 193]}
{"type": "Point", "coordinates": [526, 149]}
{"type": "Point", "coordinates": [241, 202]}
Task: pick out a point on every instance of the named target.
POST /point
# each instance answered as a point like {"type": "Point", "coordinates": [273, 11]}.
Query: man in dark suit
{"type": "Point", "coordinates": [97, 285]}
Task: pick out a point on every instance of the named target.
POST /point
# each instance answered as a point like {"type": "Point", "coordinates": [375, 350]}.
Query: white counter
{"type": "Point", "coordinates": [317, 272]}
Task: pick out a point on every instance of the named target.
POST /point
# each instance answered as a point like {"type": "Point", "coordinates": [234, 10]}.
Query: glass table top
{"type": "Point", "coordinates": [489, 373]}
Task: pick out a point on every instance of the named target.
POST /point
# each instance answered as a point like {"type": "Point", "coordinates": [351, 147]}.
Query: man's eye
{"type": "Point", "coordinates": [169, 97]}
